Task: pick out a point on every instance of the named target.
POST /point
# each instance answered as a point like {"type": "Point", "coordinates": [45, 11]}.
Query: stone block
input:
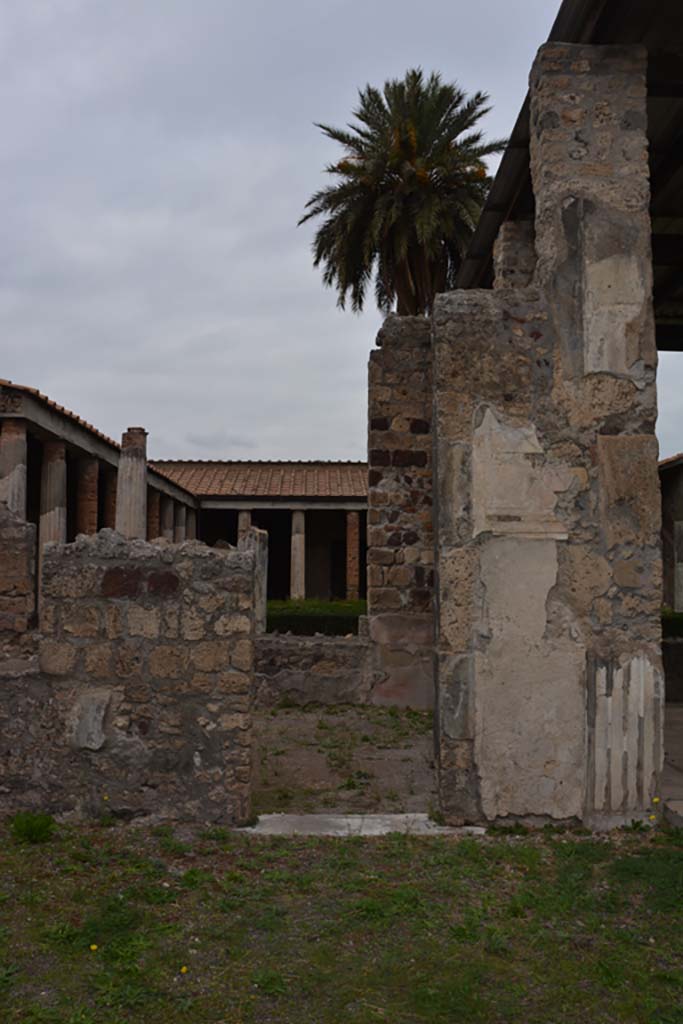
{"type": "Point", "coordinates": [170, 661]}
{"type": "Point", "coordinates": [57, 659]}
{"type": "Point", "coordinates": [143, 622]}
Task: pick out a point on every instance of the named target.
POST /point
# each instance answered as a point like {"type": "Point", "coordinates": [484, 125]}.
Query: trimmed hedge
{"type": "Point", "coordinates": [672, 623]}
{"type": "Point", "coordinates": [304, 618]}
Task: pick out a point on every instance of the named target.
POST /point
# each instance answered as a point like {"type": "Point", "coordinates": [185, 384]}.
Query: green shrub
{"type": "Point", "coordinates": [304, 618]}
{"type": "Point", "coordinates": [27, 827]}
{"type": "Point", "coordinates": [672, 623]}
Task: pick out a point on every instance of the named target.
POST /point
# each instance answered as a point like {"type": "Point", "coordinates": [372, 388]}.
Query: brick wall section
{"type": "Point", "coordinates": [400, 541]}
{"type": "Point", "coordinates": [352, 556]}
{"type": "Point", "coordinates": [400, 552]}
{"type": "Point", "coordinates": [143, 707]}
{"type": "Point", "coordinates": [86, 505]}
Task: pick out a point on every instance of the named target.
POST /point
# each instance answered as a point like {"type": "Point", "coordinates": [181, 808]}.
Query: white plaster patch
{"type": "Point", "coordinates": [614, 294]}
{"type": "Point", "coordinates": [85, 726]}
{"type": "Point", "coordinates": [627, 735]}
{"type": "Point", "coordinates": [513, 490]}
{"type": "Point", "coordinates": [529, 690]}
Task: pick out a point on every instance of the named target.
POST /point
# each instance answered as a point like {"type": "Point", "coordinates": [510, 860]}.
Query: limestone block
{"type": "Point", "coordinates": [630, 502]}
{"type": "Point", "coordinates": [81, 620]}
{"type": "Point", "coordinates": [209, 656]}
{"type": "Point", "coordinates": [57, 659]}
{"type": "Point", "coordinates": [144, 622]}
{"type": "Point", "coordinates": [169, 661]}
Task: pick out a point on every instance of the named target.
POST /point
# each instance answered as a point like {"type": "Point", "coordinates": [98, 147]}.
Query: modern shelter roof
{"type": "Point", "coordinates": [659, 27]}
{"type": "Point", "coordinates": [322, 480]}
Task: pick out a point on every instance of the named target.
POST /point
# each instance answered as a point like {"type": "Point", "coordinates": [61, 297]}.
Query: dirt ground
{"type": "Point", "coordinates": [345, 759]}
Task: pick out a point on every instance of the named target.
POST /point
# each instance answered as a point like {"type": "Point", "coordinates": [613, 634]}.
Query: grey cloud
{"type": "Point", "coordinates": [155, 159]}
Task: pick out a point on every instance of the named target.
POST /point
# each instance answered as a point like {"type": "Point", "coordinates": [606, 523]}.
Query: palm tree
{"type": "Point", "coordinates": [410, 187]}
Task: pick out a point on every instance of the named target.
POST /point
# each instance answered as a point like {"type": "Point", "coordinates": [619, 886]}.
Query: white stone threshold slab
{"type": "Point", "coordinates": [355, 825]}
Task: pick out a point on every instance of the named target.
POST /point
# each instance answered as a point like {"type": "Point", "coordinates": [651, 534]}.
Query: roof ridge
{"type": "Point", "coordinates": [263, 462]}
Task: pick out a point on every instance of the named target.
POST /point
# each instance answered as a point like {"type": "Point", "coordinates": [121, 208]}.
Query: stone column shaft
{"type": "Point", "coordinates": [53, 494]}
{"type": "Point", "coordinates": [180, 529]}
{"type": "Point", "coordinates": [153, 513]}
{"type": "Point", "coordinates": [297, 586]}
{"type": "Point", "coordinates": [243, 523]}
{"type": "Point", "coordinates": [131, 490]}
{"type": "Point", "coordinates": [191, 529]}
{"type": "Point", "coordinates": [13, 447]}
{"type": "Point", "coordinates": [352, 556]}
{"type": "Point", "coordinates": [678, 567]}
{"type": "Point", "coordinates": [86, 504]}
{"type": "Point", "coordinates": [167, 517]}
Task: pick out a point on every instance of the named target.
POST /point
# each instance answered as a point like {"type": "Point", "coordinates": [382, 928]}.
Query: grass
{"type": "Point", "coordinates": [97, 925]}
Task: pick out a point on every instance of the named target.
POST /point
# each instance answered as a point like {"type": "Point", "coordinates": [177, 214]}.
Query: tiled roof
{"type": "Point", "coordinates": [671, 462]}
{"type": "Point", "coordinates": [35, 393]}
{"type": "Point", "coordinates": [269, 479]}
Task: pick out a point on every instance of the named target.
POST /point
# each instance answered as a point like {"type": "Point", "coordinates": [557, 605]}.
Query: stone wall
{"type": "Point", "coordinates": [143, 704]}
{"type": "Point", "coordinates": [400, 543]}
{"type": "Point", "coordinates": [548, 507]}
{"type": "Point", "coordinates": [311, 670]}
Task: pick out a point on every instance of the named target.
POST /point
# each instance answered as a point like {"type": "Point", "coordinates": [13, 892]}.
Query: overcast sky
{"type": "Point", "coordinates": [155, 158]}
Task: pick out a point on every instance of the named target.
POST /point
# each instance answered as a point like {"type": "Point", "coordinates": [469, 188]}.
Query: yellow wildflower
{"type": "Point", "coordinates": [655, 799]}
{"type": "Point", "coordinates": [653, 817]}
{"type": "Point", "coordinates": [183, 969]}
{"type": "Point", "coordinates": [93, 948]}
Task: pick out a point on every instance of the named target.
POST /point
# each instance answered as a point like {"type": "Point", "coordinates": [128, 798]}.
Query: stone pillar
{"type": "Point", "coordinates": [13, 446]}
{"type": "Point", "coordinates": [243, 523]}
{"type": "Point", "coordinates": [53, 494]}
{"type": "Point", "coordinates": [167, 517]}
{"type": "Point", "coordinates": [352, 556]}
{"type": "Point", "coordinates": [514, 255]}
{"type": "Point", "coordinates": [400, 535]}
{"type": "Point", "coordinates": [180, 529]}
{"type": "Point", "coordinates": [297, 586]}
{"type": "Point", "coordinates": [86, 502]}
{"type": "Point", "coordinates": [131, 489]}
{"type": "Point", "coordinates": [550, 687]}
{"type": "Point", "coordinates": [153, 513]}
{"type": "Point", "coordinates": [109, 498]}
{"type": "Point", "coordinates": [678, 567]}
{"type": "Point", "coordinates": [191, 528]}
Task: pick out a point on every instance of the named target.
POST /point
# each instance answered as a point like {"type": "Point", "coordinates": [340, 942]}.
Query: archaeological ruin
{"type": "Point", "coordinates": [513, 540]}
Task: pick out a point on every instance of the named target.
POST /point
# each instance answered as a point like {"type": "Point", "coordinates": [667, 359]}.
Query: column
{"type": "Point", "coordinates": [243, 523]}
{"type": "Point", "coordinates": [53, 494]}
{"type": "Point", "coordinates": [191, 531]}
{"type": "Point", "coordinates": [352, 555]}
{"type": "Point", "coordinates": [297, 586]}
{"type": "Point", "coordinates": [180, 529]}
{"type": "Point", "coordinates": [109, 499]}
{"type": "Point", "coordinates": [86, 502]}
{"type": "Point", "coordinates": [678, 567]}
{"type": "Point", "coordinates": [131, 490]}
{"type": "Point", "coordinates": [153, 513]}
{"type": "Point", "coordinates": [167, 517]}
{"type": "Point", "coordinates": [13, 465]}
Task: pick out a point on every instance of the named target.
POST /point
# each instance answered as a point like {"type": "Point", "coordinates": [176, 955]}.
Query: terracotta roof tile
{"type": "Point", "coordinates": [269, 479]}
